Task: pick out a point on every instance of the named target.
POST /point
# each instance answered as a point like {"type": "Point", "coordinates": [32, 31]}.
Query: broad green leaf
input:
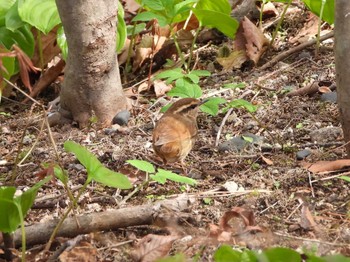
{"type": "Point", "coordinates": [26, 200]}
{"type": "Point", "coordinates": [9, 218]}
{"type": "Point", "coordinates": [163, 175]}
{"type": "Point", "coordinates": [142, 165]}
{"type": "Point", "coordinates": [212, 106]}
{"type": "Point", "coordinates": [346, 178]}
{"type": "Point", "coordinates": [121, 28]}
{"type": "Point", "coordinates": [280, 254]}
{"type": "Point", "coordinates": [183, 6]}
{"type": "Point", "coordinates": [171, 75]}
{"type": "Point", "coordinates": [62, 42]}
{"type": "Point", "coordinates": [138, 29]}
{"type": "Point", "coordinates": [194, 78]}
{"type": "Point", "coordinates": [226, 253]}
{"type": "Point", "coordinates": [221, 6]}
{"type": "Point", "coordinates": [110, 178]}
{"type": "Point", "coordinates": [9, 64]}
{"type": "Point", "coordinates": [60, 174]}
{"type": "Point", "coordinates": [336, 258]}
{"type": "Point", "coordinates": [243, 103]}
{"type": "Point", "coordinates": [148, 16]}
{"type": "Point", "coordinates": [42, 14]}
{"type": "Point", "coordinates": [186, 90]}
{"type": "Point", "coordinates": [87, 159]}
{"type": "Point", "coordinates": [22, 37]}
{"type": "Point", "coordinates": [5, 5]}
{"type": "Point", "coordinates": [328, 11]}
{"type": "Point", "coordinates": [226, 24]}
{"type": "Point", "coordinates": [12, 19]}
{"type": "Point", "coordinates": [156, 5]}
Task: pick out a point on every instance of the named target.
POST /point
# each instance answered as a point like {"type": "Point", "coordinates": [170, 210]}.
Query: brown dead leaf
{"type": "Point", "coordinates": [324, 89]}
{"type": "Point", "coordinates": [160, 87]}
{"type": "Point", "coordinates": [306, 219]}
{"type": "Point", "coordinates": [153, 247]}
{"type": "Point", "coordinates": [192, 24]}
{"type": "Point", "coordinates": [131, 6]}
{"type": "Point", "coordinates": [25, 66]}
{"type": "Point", "coordinates": [256, 41]}
{"type": "Point", "coordinates": [270, 10]}
{"type": "Point", "coordinates": [326, 166]}
{"type": "Point", "coordinates": [234, 60]}
{"type": "Point", "coordinates": [266, 160]}
{"type": "Point", "coordinates": [83, 252]}
{"type": "Point", "coordinates": [247, 217]}
{"type": "Point", "coordinates": [308, 31]}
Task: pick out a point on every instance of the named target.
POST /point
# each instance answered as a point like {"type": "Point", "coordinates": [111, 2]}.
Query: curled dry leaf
{"type": "Point", "coordinates": [256, 42]}
{"type": "Point", "coordinates": [160, 87]}
{"type": "Point", "coordinates": [234, 60]}
{"type": "Point", "coordinates": [326, 166]}
{"type": "Point", "coordinates": [153, 247]}
{"type": "Point", "coordinates": [267, 161]}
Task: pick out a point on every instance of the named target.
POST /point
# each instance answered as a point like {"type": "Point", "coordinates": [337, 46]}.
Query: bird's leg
{"type": "Point", "coordinates": [183, 166]}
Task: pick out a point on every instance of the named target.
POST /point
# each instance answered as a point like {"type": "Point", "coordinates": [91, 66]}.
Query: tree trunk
{"type": "Point", "coordinates": [92, 81]}
{"type": "Point", "coordinates": [342, 64]}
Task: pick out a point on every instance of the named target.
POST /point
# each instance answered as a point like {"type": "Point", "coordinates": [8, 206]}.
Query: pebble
{"type": "Point", "coordinates": [329, 97]}
{"type": "Point", "coordinates": [121, 118]}
{"type": "Point", "coordinates": [326, 134]}
{"type": "Point", "coordinates": [303, 154]}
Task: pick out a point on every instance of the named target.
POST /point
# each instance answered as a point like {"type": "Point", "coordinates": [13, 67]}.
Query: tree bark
{"type": "Point", "coordinates": [342, 64]}
{"type": "Point", "coordinates": [92, 81]}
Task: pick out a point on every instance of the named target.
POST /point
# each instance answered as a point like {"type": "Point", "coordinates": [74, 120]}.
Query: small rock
{"type": "Point", "coordinates": [235, 144]}
{"type": "Point", "coordinates": [5, 130]}
{"type": "Point", "coordinates": [27, 140]}
{"type": "Point", "coordinates": [303, 154]}
{"type": "Point", "coordinates": [329, 97]}
{"type": "Point", "coordinates": [326, 134]}
{"type": "Point", "coordinates": [121, 118]}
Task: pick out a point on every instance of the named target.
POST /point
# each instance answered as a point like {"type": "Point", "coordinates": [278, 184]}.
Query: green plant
{"type": "Point", "coordinates": [160, 175]}
{"type": "Point", "coordinates": [13, 209]}
{"type": "Point", "coordinates": [276, 254]}
{"type": "Point", "coordinates": [95, 172]}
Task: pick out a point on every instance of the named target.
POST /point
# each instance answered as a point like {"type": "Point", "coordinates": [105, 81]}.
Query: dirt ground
{"type": "Point", "coordinates": [291, 210]}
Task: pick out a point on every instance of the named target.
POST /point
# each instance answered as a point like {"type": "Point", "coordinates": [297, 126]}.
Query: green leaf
{"type": "Point", "coordinates": [280, 254]}
{"type": "Point", "coordinates": [9, 64]}
{"type": "Point", "coordinates": [221, 6]}
{"type": "Point", "coordinates": [26, 200]}
{"type": "Point", "coordinates": [328, 12]}
{"type": "Point", "coordinates": [148, 16]}
{"type": "Point", "coordinates": [110, 178]}
{"type": "Point", "coordinates": [60, 174]}
{"type": "Point", "coordinates": [226, 24]}
{"type": "Point", "coordinates": [121, 28]}
{"type": "Point", "coordinates": [226, 253]}
{"type": "Point", "coordinates": [5, 5]}
{"type": "Point", "coordinates": [142, 165]}
{"type": "Point", "coordinates": [10, 219]}
{"type": "Point", "coordinates": [163, 175]}
{"type": "Point", "coordinates": [243, 103]}
{"type": "Point", "coordinates": [87, 159]}
{"type": "Point", "coordinates": [138, 28]}
{"type": "Point", "coordinates": [212, 106]}
{"type": "Point", "coordinates": [171, 75]}
{"type": "Point", "coordinates": [62, 42]}
{"type": "Point", "coordinates": [194, 78]}
{"type": "Point", "coordinates": [165, 108]}
{"type": "Point", "coordinates": [22, 37]}
{"type": "Point", "coordinates": [346, 178]}
{"type": "Point", "coordinates": [154, 4]}
{"type": "Point", "coordinates": [42, 14]}
{"type": "Point", "coordinates": [235, 85]}
{"type": "Point", "coordinates": [12, 19]}
{"type": "Point", "coordinates": [186, 90]}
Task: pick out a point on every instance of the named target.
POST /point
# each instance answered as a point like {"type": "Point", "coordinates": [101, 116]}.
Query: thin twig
{"type": "Point", "coordinates": [222, 125]}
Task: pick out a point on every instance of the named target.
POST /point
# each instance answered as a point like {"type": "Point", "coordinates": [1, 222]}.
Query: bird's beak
{"type": "Point", "coordinates": [203, 101]}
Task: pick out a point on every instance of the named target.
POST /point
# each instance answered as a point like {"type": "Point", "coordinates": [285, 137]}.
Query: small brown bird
{"type": "Point", "coordinates": [175, 133]}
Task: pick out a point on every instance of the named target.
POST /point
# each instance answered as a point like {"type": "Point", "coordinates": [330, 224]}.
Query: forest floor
{"type": "Point", "coordinates": [290, 205]}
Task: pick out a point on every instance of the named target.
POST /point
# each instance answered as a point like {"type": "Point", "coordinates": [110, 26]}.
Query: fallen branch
{"type": "Point", "coordinates": [108, 220]}
{"type": "Point", "coordinates": [298, 48]}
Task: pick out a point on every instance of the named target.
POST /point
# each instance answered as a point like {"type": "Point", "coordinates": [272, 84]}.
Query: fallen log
{"type": "Point", "coordinates": [108, 220]}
